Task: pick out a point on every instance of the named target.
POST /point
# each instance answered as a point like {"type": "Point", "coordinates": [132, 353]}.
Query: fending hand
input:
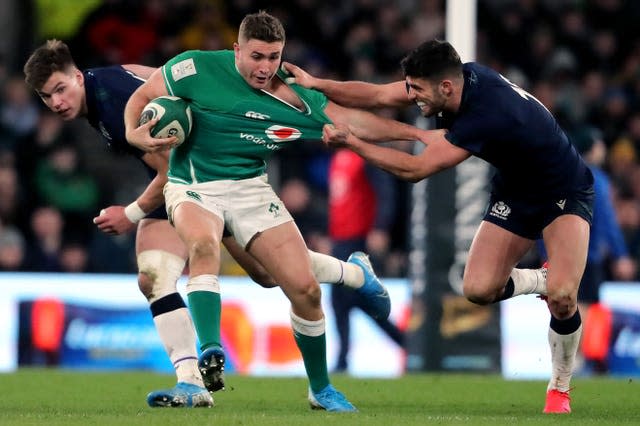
{"type": "Point", "coordinates": [335, 136]}
{"type": "Point", "coordinates": [298, 76]}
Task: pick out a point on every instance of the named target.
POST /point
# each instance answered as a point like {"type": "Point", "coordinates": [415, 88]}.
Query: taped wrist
{"type": "Point", "coordinates": [134, 213]}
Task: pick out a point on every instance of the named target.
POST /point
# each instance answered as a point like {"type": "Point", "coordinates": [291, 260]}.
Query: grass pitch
{"type": "Point", "coordinates": [56, 397]}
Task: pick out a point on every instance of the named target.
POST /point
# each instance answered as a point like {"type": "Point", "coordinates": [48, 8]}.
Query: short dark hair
{"type": "Point", "coordinates": [47, 59]}
{"type": "Point", "coordinates": [432, 59]}
{"type": "Point", "coordinates": [261, 26]}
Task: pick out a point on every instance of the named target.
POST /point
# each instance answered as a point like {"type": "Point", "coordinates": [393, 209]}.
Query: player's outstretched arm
{"type": "Point", "coordinates": [140, 136]}
{"type": "Point", "coordinates": [438, 155]}
{"type": "Point", "coordinates": [369, 126]}
{"type": "Point", "coordinates": [141, 71]}
{"type": "Point", "coordinates": [355, 94]}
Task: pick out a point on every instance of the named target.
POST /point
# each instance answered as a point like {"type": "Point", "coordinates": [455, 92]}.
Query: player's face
{"type": "Point", "coordinates": [431, 98]}
{"type": "Point", "coordinates": [64, 94]}
{"type": "Point", "coordinates": [258, 61]}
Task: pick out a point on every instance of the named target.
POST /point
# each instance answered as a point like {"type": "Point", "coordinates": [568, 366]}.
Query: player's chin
{"type": "Point", "coordinates": [67, 115]}
{"type": "Point", "coordinates": [426, 111]}
{"type": "Point", "coordinates": [260, 83]}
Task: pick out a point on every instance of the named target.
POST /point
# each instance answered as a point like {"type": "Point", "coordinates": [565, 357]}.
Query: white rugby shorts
{"type": "Point", "coordinates": [246, 206]}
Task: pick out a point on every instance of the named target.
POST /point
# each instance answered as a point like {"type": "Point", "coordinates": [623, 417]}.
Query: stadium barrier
{"type": "Point", "coordinates": [102, 322]}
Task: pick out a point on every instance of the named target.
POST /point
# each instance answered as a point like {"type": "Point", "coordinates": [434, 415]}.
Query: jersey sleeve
{"type": "Point", "coordinates": [180, 74]}
{"type": "Point", "coordinates": [317, 100]}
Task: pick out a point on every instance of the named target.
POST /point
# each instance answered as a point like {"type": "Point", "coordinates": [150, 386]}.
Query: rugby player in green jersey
{"type": "Point", "coordinates": [243, 112]}
{"type": "Point", "coordinates": [99, 95]}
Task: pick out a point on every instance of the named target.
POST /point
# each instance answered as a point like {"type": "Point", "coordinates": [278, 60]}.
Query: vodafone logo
{"type": "Point", "coordinates": [282, 134]}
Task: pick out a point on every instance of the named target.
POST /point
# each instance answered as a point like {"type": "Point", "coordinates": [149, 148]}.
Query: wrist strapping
{"type": "Point", "coordinates": [134, 213]}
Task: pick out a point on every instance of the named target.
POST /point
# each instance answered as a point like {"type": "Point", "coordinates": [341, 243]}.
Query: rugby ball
{"type": "Point", "coordinates": [174, 117]}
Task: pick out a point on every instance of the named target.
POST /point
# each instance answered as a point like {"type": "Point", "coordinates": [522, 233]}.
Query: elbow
{"type": "Point", "coordinates": [411, 175]}
{"type": "Point", "coordinates": [417, 177]}
{"type": "Point", "coordinates": [417, 172]}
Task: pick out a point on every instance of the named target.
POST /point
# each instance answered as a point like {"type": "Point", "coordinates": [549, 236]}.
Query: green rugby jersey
{"type": "Point", "coordinates": [235, 127]}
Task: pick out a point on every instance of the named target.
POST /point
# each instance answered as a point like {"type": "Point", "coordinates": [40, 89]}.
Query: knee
{"type": "Point", "coordinates": [478, 293]}
{"type": "Point", "coordinates": [145, 284]}
{"type": "Point", "coordinates": [562, 300]}
{"type": "Point", "coordinates": [309, 293]}
{"type": "Point", "coordinates": [158, 272]}
{"type": "Point", "coordinates": [204, 248]}
{"type": "Point", "coordinates": [263, 279]}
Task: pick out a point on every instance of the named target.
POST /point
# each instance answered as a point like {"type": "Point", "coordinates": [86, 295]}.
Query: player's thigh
{"type": "Point", "coordinates": [247, 262]}
{"type": "Point", "coordinates": [566, 240]}
{"type": "Point", "coordinates": [283, 253]}
{"type": "Point", "coordinates": [196, 212]}
{"type": "Point", "coordinates": [196, 225]}
{"type": "Point", "coordinates": [158, 234]}
{"type": "Point", "coordinates": [494, 252]}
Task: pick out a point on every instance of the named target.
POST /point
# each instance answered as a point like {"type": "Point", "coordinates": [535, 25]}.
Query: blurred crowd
{"type": "Point", "coordinates": [580, 58]}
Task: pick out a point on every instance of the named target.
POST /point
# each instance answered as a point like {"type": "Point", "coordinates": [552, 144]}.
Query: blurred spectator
{"type": "Point", "coordinates": [309, 213]}
{"type": "Point", "coordinates": [46, 240]}
{"type": "Point", "coordinates": [573, 34]}
{"type": "Point", "coordinates": [19, 112]}
{"type": "Point", "coordinates": [10, 195]}
{"type": "Point", "coordinates": [628, 210]}
{"type": "Point", "coordinates": [12, 250]}
{"type": "Point", "coordinates": [61, 181]}
{"type": "Point", "coordinates": [361, 211]}
{"type": "Point", "coordinates": [592, 89]}
{"type": "Point", "coordinates": [74, 257]}
{"type": "Point", "coordinates": [34, 147]}
{"type": "Point", "coordinates": [632, 131]}
{"type": "Point", "coordinates": [429, 21]}
{"type": "Point", "coordinates": [541, 45]}
{"type": "Point", "coordinates": [622, 161]}
{"type": "Point", "coordinates": [604, 52]}
{"type": "Point", "coordinates": [614, 114]}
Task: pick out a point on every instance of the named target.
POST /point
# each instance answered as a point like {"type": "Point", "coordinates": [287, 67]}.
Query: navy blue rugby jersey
{"type": "Point", "coordinates": [107, 91]}
{"type": "Point", "coordinates": [509, 128]}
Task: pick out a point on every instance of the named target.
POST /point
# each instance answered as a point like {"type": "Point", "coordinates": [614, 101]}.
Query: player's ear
{"type": "Point", "coordinates": [446, 87]}
{"type": "Point", "coordinates": [79, 75]}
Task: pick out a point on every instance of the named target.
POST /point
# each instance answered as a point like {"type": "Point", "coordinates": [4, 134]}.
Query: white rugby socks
{"type": "Point", "coordinates": [563, 356]}
{"type": "Point", "coordinates": [328, 269]}
{"type": "Point", "coordinates": [529, 281]}
{"type": "Point", "coordinates": [176, 333]}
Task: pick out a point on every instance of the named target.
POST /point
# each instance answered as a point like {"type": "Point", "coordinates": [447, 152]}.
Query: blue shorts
{"type": "Point", "coordinates": [159, 213]}
{"type": "Point", "coordinates": [527, 218]}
